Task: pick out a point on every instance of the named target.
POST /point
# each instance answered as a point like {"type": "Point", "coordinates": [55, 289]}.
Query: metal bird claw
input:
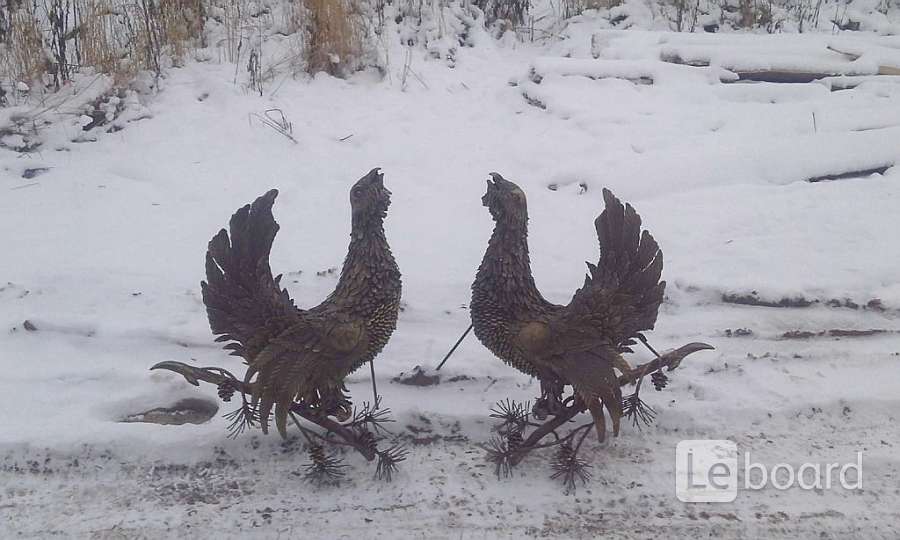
{"type": "Point", "coordinates": [670, 360]}
{"type": "Point", "coordinates": [354, 432]}
{"type": "Point", "coordinates": [194, 375]}
{"type": "Point", "coordinates": [674, 358]}
{"type": "Point", "coordinates": [506, 451]}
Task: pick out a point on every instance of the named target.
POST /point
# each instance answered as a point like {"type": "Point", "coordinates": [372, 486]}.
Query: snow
{"type": "Point", "coordinates": [103, 254]}
{"type": "Point", "coordinates": [881, 54]}
{"type": "Point", "coordinates": [642, 72]}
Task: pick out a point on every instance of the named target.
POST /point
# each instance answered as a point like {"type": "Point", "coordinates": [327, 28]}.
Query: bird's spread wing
{"type": "Point", "coordinates": [245, 304]}
{"type": "Point", "coordinates": [622, 293]}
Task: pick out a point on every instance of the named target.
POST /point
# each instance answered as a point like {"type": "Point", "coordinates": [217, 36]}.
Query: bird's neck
{"type": "Point", "coordinates": [505, 272]}
{"type": "Point", "coordinates": [370, 275]}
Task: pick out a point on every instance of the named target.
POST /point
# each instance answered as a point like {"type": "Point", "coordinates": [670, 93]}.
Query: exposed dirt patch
{"type": "Point", "coordinates": [837, 333]}
{"type": "Point", "coordinates": [28, 174]}
{"type": "Point", "coordinates": [423, 431]}
{"type": "Point", "coordinates": [417, 377]}
{"type": "Point", "coordinates": [186, 411]}
{"type": "Point", "coordinates": [534, 102]}
{"type": "Point", "coordinates": [849, 175]}
{"type": "Point", "coordinates": [753, 299]}
{"type": "Point", "coordinates": [738, 332]}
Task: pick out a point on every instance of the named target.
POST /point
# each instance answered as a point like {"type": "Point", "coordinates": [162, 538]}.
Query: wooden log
{"type": "Point", "coordinates": [671, 57]}
{"type": "Point", "coordinates": [761, 75]}
{"type": "Point", "coordinates": [883, 67]}
{"type": "Point", "coordinates": [776, 75]}
{"type": "Point", "coordinates": [781, 76]}
{"type": "Point", "coordinates": [848, 82]}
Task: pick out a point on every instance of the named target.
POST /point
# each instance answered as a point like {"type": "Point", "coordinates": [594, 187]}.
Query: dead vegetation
{"type": "Point", "coordinates": [753, 298]}
{"type": "Point", "coordinates": [46, 44]}
{"type": "Point", "coordinates": [512, 12]}
{"type": "Point", "coordinates": [21, 41]}
{"type": "Point", "coordinates": [334, 36]}
{"type": "Point", "coordinates": [833, 333]}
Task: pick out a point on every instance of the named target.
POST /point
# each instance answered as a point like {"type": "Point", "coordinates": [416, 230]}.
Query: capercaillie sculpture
{"type": "Point", "coordinates": [578, 345]}
{"type": "Point", "coordinates": [297, 359]}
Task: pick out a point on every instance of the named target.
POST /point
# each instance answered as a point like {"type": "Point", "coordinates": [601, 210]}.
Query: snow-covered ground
{"type": "Point", "coordinates": [103, 254]}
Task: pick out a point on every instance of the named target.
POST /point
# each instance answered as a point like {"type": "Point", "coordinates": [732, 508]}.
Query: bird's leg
{"type": "Point", "coordinates": [548, 427]}
{"type": "Point", "coordinates": [633, 406]}
{"type": "Point", "coordinates": [334, 402]}
{"type": "Point", "coordinates": [217, 376]}
{"type": "Point", "coordinates": [575, 405]}
{"type": "Point", "coordinates": [622, 365]}
{"type": "Point", "coordinates": [550, 402]}
{"type": "Point", "coordinates": [643, 339]}
{"type": "Point", "coordinates": [375, 399]}
{"type": "Point", "coordinates": [553, 393]}
{"type": "Point", "coordinates": [349, 437]}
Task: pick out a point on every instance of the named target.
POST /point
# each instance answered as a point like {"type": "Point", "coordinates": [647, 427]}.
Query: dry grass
{"type": "Point", "coordinates": [167, 28]}
{"type": "Point", "coordinates": [123, 37]}
{"type": "Point", "coordinates": [293, 17]}
{"type": "Point", "coordinates": [334, 41]}
{"type": "Point", "coordinates": [23, 55]}
{"type": "Point", "coordinates": [576, 7]}
{"type": "Point", "coordinates": [234, 20]}
{"type": "Point", "coordinates": [100, 36]}
{"type": "Point", "coordinates": [181, 26]}
{"type": "Point", "coordinates": [116, 37]}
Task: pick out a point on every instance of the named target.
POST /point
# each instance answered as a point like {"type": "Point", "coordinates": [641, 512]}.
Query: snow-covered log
{"type": "Point", "coordinates": [635, 71]}
{"type": "Point", "coordinates": [886, 58]}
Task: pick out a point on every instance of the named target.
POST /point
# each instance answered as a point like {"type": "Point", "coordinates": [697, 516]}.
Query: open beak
{"type": "Point", "coordinates": [486, 198]}
{"type": "Point", "coordinates": [376, 177]}
{"type": "Point", "coordinates": [495, 179]}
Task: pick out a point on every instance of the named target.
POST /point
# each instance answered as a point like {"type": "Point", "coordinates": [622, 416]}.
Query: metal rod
{"type": "Point", "coordinates": [458, 341]}
{"type": "Point", "coordinates": [646, 344]}
{"type": "Point", "coordinates": [374, 387]}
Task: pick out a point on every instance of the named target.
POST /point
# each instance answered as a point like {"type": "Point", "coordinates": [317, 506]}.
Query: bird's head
{"type": "Point", "coordinates": [505, 200]}
{"type": "Point", "coordinates": [369, 198]}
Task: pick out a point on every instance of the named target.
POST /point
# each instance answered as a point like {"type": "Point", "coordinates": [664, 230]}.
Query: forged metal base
{"type": "Point", "coordinates": [519, 435]}
{"type": "Point", "coordinates": [359, 428]}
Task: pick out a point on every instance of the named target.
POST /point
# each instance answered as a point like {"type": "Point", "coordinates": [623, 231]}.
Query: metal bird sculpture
{"type": "Point", "coordinates": [297, 359]}
{"type": "Point", "coordinates": [579, 345]}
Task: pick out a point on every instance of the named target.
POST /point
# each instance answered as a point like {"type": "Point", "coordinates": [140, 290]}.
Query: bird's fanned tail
{"type": "Point", "coordinates": [244, 302]}
{"type": "Point", "coordinates": [622, 293]}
